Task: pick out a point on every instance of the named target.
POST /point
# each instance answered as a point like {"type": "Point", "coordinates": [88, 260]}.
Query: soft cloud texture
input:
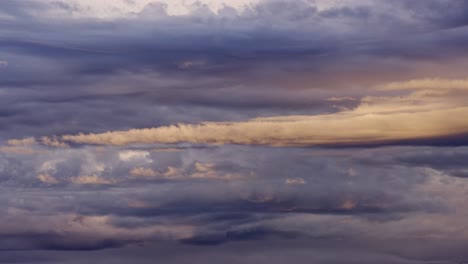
{"type": "Point", "coordinates": [293, 131]}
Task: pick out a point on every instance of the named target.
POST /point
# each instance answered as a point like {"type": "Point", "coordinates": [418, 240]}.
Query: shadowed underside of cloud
{"type": "Point", "coordinates": [136, 64]}
{"type": "Point", "coordinates": [434, 108]}
{"type": "Point", "coordinates": [363, 197]}
{"type": "Point", "coordinates": [56, 242]}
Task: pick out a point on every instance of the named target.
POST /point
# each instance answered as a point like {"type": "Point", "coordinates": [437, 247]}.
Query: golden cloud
{"type": "Point", "coordinates": [144, 172]}
{"type": "Point", "coordinates": [206, 171]}
{"type": "Point", "coordinates": [431, 108]}
{"type": "Point", "coordinates": [22, 142]}
{"type": "Point", "coordinates": [46, 178]}
{"type": "Point", "coordinates": [429, 83]}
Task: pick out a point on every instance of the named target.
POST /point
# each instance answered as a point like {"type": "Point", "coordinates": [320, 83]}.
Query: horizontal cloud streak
{"type": "Point", "coordinates": [442, 84]}
{"type": "Point", "coordinates": [292, 131]}
{"type": "Point", "coordinates": [419, 115]}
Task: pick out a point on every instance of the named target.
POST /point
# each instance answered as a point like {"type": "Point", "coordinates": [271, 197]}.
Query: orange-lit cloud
{"type": "Point", "coordinates": [144, 172]}
{"type": "Point", "coordinates": [46, 178]}
{"type": "Point", "coordinates": [53, 142]}
{"type": "Point", "coordinates": [200, 171]}
{"type": "Point", "coordinates": [424, 112]}
{"type": "Point", "coordinates": [22, 142]}
{"type": "Point", "coordinates": [18, 150]}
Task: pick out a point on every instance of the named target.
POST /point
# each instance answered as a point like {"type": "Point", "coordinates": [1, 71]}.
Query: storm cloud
{"type": "Point", "coordinates": [236, 131]}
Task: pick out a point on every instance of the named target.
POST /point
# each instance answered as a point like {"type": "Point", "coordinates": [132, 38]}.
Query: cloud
{"type": "Point", "coordinates": [76, 232]}
{"type": "Point", "coordinates": [130, 155]}
{"type": "Point", "coordinates": [46, 178]}
{"type": "Point", "coordinates": [168, 149]}
{"type": "Point", "coordinates": [118, 9]}
{"type": "Point", "coordinates": [53, 142]}
{"type": "Point", "coordinates": [422, 114]}
{"type": "Point", "coordinates": [332, 206]}
{"type": "Point", "coordinates": [91, 180]}
{"type": "Point", "coordinates": [348, 205]}
{"type": "Point", "coordinates": [253, 233]}
{"type": "Point", "coordinates": [144, 172]}
{"type": "Point", "coordinates": [18, 150]}
{"type": "Point", "coordinates": [22, 142]}
{"type": "Point", "coordinates": [428, 84]}
{"type": "Point", "coordinates": [213, 85]}
{"type": "Point", "coordinates": [200, 171]}
{"type": "Point", "coordinates": [271, 58]}
{"type": "Point", "coordinates": [210, 171]}
{"type": "Point", "coordinates": [295, 181]}
{"type": "Point", "coordinates": [340, 99]}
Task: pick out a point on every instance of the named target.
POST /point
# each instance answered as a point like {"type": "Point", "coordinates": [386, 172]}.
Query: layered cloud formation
{"type": "Point", "coordinates": [189, 131]}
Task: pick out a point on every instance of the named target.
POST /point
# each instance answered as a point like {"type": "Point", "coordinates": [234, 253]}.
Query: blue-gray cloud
{"type": "Point", "coordinates": [240, 63]}
{"type": "Point", "coordinates": [65, 71]}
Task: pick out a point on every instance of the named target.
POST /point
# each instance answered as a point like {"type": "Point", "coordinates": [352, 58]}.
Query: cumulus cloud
{"type": "Point", "coordinates": [422, 114]}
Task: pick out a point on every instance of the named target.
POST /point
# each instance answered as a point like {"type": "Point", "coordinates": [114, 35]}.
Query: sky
{"type": "Point", "coordinates": [234, 131]}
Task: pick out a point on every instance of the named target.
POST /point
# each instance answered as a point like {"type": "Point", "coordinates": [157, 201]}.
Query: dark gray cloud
{"type": "Point", "coordinates": [89, 75]}
{"type": "Point", "coordinates": [339, 198]}
{"type": "Point", "coordinates": [61, 73]}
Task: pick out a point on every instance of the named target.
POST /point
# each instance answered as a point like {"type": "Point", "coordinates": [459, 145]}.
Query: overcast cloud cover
{"type": "Point", "coordinates": [235, 131]}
